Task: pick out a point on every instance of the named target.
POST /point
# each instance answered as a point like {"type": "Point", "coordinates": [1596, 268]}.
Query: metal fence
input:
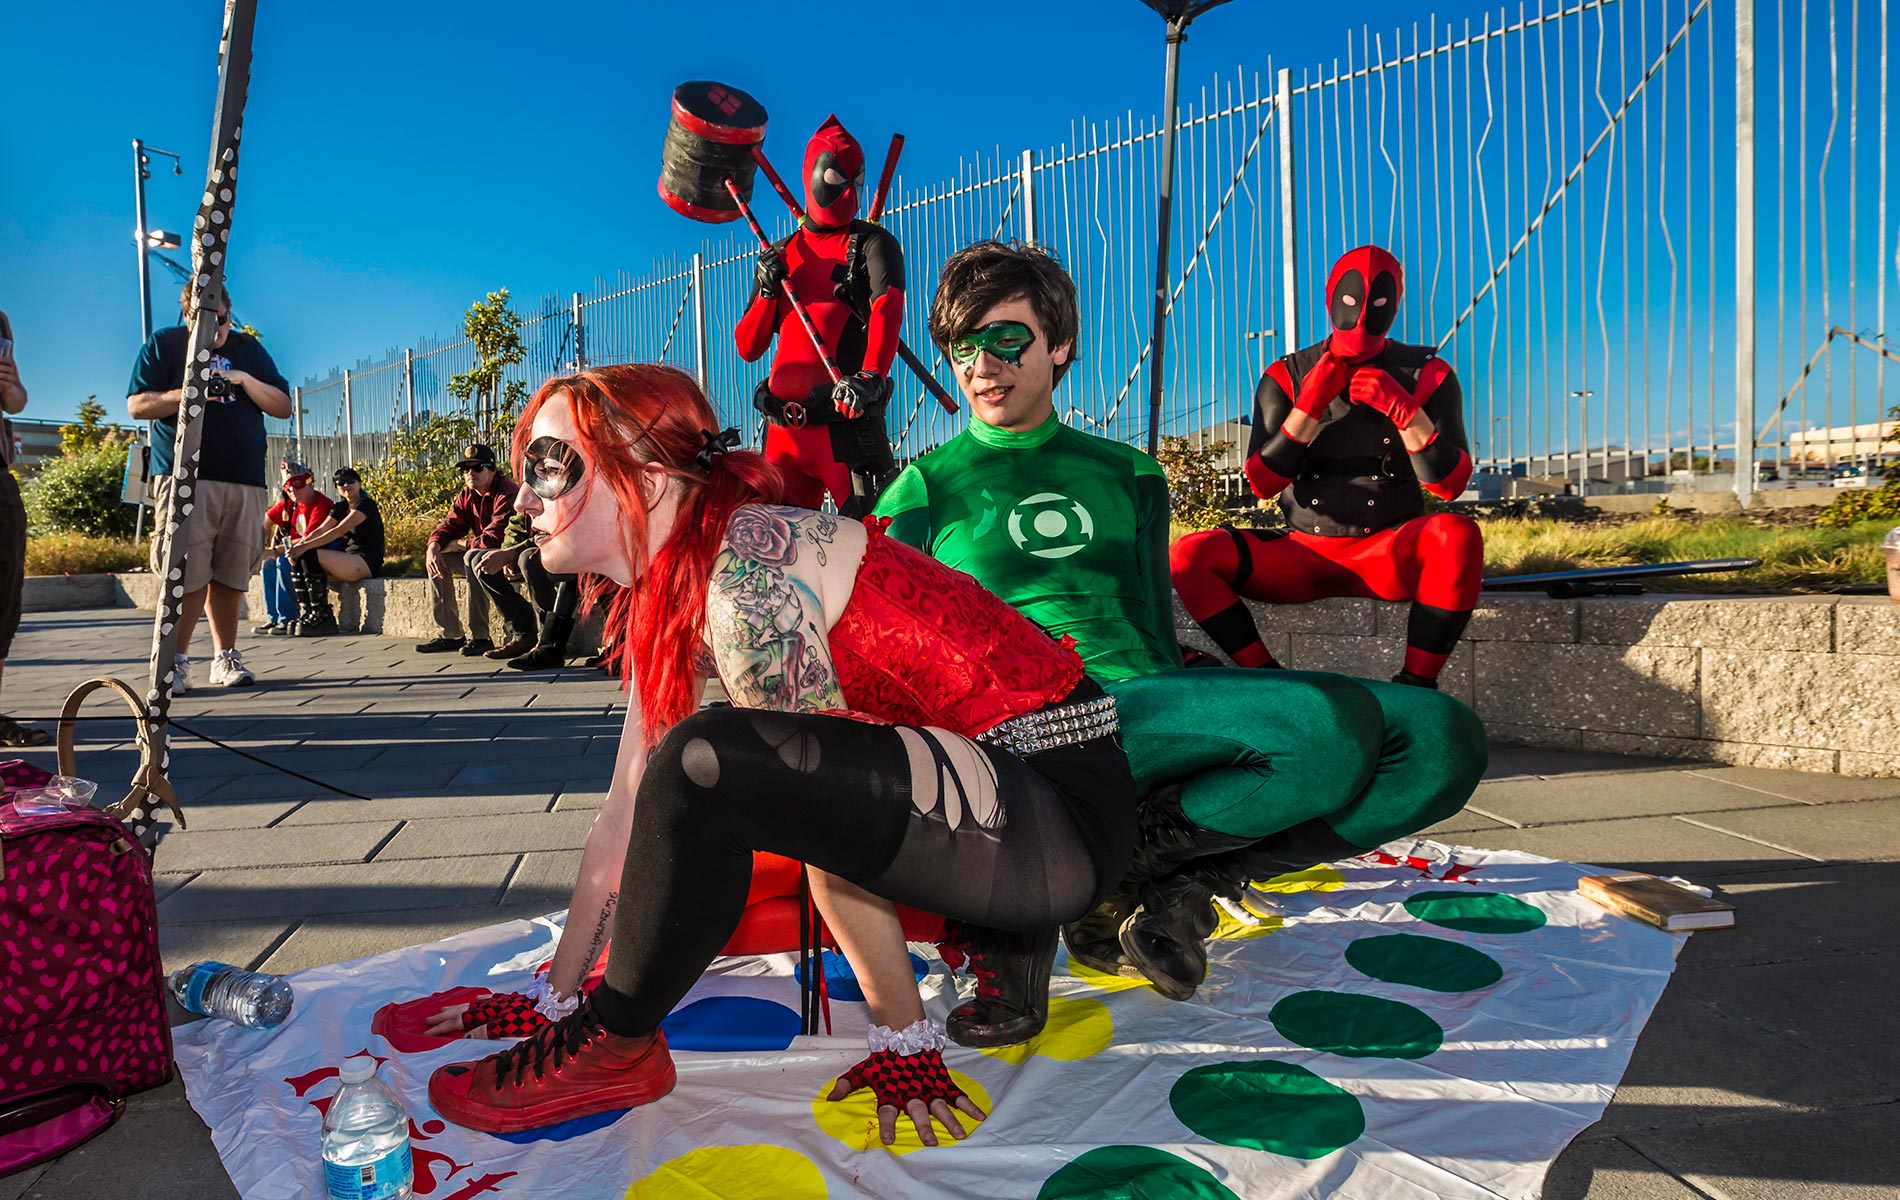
{"type": "Point", "coordinates": [1583, 194]}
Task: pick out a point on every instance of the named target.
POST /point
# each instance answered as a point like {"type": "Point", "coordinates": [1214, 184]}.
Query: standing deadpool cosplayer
{"type": "Point", "coordinates": [1344, 434]}
{"type": "Point", "coordinates": [850, 276]}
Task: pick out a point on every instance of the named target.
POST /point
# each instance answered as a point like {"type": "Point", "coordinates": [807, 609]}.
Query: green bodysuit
{"type": "Point", "coordinates": [1072, 529]}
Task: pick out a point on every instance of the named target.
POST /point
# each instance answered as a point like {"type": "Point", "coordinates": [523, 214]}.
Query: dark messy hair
{"type": "Point", "coordinates": [977, 278]}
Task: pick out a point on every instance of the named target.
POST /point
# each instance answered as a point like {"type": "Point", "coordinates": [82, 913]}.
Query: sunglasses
{"type": "Point", "coordinates": [551, 468]}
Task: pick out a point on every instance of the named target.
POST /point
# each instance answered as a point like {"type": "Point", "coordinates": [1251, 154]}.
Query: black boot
{"type": "Point", "coordinates": [1162, 940]}
{"type": "Point", "coordinates": [1095, 940]}
{"type": "Point", "coordinates": [551, 650]}
{"type": "Point", "coordinates": [316, 620]}
{"type": "Point", "coordinates": [1306, 845]}
{"type": "Point", "coordinates": [1411, 680]}
{"type": "Point", "coordinates": [1011, 1004]}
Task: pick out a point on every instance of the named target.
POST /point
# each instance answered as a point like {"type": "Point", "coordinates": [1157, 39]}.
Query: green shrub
{"type": "Point", "coordinates": [418, 477]}
{"type": "Point", "coordinates": [80, 554]}
{"type": "Point", "coordinates": [1863, 504]}
{"type": "Point", "coordinates": [78, 492]}
{"type": "Point", "coordinates": [1195, 497]}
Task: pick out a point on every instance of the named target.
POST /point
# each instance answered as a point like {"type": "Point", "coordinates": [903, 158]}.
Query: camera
{"type": "Point", "coordinates": [217, 386]}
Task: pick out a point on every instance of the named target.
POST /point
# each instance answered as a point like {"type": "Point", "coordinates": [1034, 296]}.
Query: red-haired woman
{"type": "Point", "coordinates": [905, 733]}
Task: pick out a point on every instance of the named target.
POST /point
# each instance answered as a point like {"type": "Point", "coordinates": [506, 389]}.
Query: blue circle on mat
{"type": "Point", "coordinates": [841, 982]}
{"type": "Point", "coordinates": [731, 1023]}
{"type": "Point", "coordinates": [578, 1127]}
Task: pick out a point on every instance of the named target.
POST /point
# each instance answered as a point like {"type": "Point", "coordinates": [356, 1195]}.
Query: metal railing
{"type": "Point", "coordinates": [1579, 190]}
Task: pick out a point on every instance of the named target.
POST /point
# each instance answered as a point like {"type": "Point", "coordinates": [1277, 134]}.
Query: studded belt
{"type": "Point", "coordinates": [1061, 725]}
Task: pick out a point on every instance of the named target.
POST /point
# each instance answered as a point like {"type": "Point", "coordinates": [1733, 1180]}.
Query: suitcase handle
{"type": "Point", "coordinates": [36, 1128]}
{"type": "Point", "coordinates": [139, 809]}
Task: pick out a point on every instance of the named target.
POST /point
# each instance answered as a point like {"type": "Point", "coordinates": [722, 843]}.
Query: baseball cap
{"type": "Point", "coordinates": [295, 472]}
{"type": "Point", "coordinates": [475, 454]}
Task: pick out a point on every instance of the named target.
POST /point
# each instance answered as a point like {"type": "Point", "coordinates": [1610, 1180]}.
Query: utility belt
{"type": "Point", "coordinates": [1064, 724]}
{"type": "Point", "coordinates": [816, 409]}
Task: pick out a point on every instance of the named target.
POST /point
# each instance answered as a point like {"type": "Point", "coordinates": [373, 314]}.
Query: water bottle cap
{"type": "Point", "coordinates": [358, 1068]}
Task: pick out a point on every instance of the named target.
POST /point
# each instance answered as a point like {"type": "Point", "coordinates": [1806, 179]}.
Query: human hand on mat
{"type": "Point", "coordinates": [495, 1015]}
{"type": "Point", "coordinates": [918, 1084]}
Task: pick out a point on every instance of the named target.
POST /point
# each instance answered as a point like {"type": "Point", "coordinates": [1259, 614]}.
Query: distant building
{"type": "Point", "coordinates": [1842, 444]}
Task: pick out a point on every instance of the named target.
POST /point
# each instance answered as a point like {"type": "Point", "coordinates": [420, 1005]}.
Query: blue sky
{"type": "Point", "coordinates": [402, 159]}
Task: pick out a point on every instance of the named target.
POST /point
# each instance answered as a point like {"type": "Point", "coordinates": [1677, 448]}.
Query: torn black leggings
{"type": "Point", "coordinates": [918, 817]}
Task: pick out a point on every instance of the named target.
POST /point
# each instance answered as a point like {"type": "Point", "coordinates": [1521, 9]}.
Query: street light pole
{"type": "Point", "coordinates": [142, 234]}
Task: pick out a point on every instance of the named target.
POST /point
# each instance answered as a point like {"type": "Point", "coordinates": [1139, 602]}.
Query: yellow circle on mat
{"type": "Point", "coordinates": [1077, 1029]}
{"type": "Point", "coordinates": [1100, 979]}
{"type": "Point", "coordinates": [853, 1120]}
{"type": "Point", "coordinates": [1313, 879]}
{"type": "Point", "coordinates": [733, 1173]}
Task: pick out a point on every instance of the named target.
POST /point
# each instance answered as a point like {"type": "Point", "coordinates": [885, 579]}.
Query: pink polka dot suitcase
{"type": "Point", "coordinates": [82, 1009]}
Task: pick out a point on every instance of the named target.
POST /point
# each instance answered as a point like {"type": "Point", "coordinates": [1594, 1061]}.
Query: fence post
{"type": "Point", "coordinates": [1029, 196]}
{"type": "Point", "coordinates": [349, 424]}
{"type": "Point", "coordinates": [1289, 235]}
{"type": "Point", "coordinates": [296, 416]}
{"type": "Point", "coordinates": [699, 323]}
{"type": "Point", "coordinates": [409, 384]}
{"type": "Point", "coordinates": [580, 336]}
{"type": "Point", "coordinates": [1744, 252]}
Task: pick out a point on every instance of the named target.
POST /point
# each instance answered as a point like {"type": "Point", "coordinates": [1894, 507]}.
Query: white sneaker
{"type": "Point", "coordinates": [181, 675]}
{"type": "Point", "coordinates": [228, 670]}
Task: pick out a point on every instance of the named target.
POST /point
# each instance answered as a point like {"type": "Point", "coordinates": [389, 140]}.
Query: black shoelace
{"type": "Point", "coordinates": [560, 1042]}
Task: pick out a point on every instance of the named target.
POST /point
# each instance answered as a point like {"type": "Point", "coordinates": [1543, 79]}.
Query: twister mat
{"type": "Point", "coordinates": [1422, 1023]}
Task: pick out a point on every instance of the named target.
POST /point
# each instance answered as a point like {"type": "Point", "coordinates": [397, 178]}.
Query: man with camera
{"type": "Point", "coordinates": [226, 533]}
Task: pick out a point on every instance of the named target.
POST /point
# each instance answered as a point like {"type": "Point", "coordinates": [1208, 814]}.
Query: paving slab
{"type": "Point", "coordinates": [1851, 904]}
{"type": "Point", "coordinates": [1610, 1170]}
{"type": "Point", "coordinates": [574, 799]}
{"type": "Point", "coordinates": [1545, 801]}
{"type": "Point", "coordinates": [1805, 786]}
{"type": "Point", "coordinates": [355, 887]}
{"type": "Point", "coordinates": [1837, 1155]}
{"type": "Point", "coordinates": [200, 817]}
{"type": "Point", "coordinates": [1841, 1006]}
{"type": "Point", "coordinates": [1863, 830]}
{"type": "Point", "coordinates": [447, 837]}
{"type": "Point", "coordinates": [1510, 761]}
{"type": "Point", "coordinates": [243, 943]}
{"type": "Point", "coordinates": [545, 879]}
{"type": "Point", "coordinates": [334, 810]}
{"type": "Point", "coordinates": [598, 769]}
{"type": "Point", "coordinates": [1664, 845]}
{"type": "Point", "coordinates": [225, 849]}
{"type": "Point", "coordinates": [319, 941]}
{"type": "Point", "coordinates": [366, 781]}
{"type": "Point", "coordinates": [156, 1151]}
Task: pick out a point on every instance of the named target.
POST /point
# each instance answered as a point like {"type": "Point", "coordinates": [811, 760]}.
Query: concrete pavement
{"type": "Point", "coordinates": [1769, 1070]}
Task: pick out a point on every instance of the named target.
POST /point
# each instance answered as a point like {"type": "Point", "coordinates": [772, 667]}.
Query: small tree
{"type": "Point", "coordinates": [78, 492]}
{"type": "Point", "coordinates": [418, 477]}
{"type": "Point", "coordinates": [89, 431]}
{"type": "Point", "coordinates": [496, 331]}
{"type": "Point", "coordinates": [1195, 495]}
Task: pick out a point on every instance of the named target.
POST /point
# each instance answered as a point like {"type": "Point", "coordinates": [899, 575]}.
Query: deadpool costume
{"type": "Point", "coordinates": [1345, 433]}
{"type": "Point", "coordinates": [849, 274]}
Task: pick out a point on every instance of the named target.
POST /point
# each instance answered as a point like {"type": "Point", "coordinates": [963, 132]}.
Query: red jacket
{"type": "Point", "coordinates": [478, 516]}
{"type": "Point", "coordinates": [299, 519]}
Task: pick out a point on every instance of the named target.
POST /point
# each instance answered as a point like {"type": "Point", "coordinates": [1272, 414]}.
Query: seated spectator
{"type": "Point", "coordinates": [478, 516]}
{"type": "Point", "coordinates": [280, 596]}
{"type": "Point", "coordinates": [309, 513]}
{"type": "Point", "coordinates": [555, 599]}
{"type": "Point", "coordinates": [347, 547]}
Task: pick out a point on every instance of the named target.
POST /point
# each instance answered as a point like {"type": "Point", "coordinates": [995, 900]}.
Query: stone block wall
{"type": "Point", "coordinates": [1805, 683]}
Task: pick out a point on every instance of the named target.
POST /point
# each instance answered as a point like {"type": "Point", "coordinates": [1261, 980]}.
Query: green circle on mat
{"type": "Point", "coordinates": [1356, 1026]}
{"type": "Point", "coordinates": [1261, 1104]}
{"type": "Point", "coordinates": [1132, 1173]}
{"type": "Point", "coordinates": [1425, 962]}
{"type": "Point", "coordinates": [1476, 912]}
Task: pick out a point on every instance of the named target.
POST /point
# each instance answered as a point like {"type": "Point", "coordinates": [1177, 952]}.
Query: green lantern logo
{"type": "Point", "coordinates": [1050, 525]}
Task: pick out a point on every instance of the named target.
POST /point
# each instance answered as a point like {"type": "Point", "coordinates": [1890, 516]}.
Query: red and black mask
{"type": "Point", "coordinates": [834, 176]}
{"type": "Point", "coordinates": [1362, 298]}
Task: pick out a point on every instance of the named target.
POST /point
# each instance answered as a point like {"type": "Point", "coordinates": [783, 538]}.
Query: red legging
{"type": "Point", "coordinates": [1436, 561]}
{"type": "Point", "coordinates": [805, 457]}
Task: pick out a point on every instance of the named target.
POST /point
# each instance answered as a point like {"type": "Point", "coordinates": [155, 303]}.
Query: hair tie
{"type": "Point", "coordinates": [716, 443]}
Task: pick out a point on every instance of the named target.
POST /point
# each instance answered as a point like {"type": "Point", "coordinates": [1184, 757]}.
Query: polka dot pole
{"type": "Point", "coordinates": [211, 233]}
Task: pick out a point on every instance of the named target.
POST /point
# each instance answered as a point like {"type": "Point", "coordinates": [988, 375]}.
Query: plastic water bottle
{"type": "Point", "coordinates": [215, 989]}
{"type": "Point", "coordinates": [366, 1138]}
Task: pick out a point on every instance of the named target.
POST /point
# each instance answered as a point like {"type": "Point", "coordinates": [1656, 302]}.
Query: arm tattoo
{"type": "Point", "coordinates": [600, 933]}
{"type": "Point", "coordinates": [764, 617]}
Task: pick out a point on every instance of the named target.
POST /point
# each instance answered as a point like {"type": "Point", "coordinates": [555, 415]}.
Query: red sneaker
{"type": "Point", "coordinates": [572, 1068]}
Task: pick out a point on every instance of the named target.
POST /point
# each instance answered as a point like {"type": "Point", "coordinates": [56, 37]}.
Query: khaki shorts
{"type": "Point", "coordinates": [225, 537]}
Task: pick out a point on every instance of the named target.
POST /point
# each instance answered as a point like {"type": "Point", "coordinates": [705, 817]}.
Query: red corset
{"type": "Point", "coordinates": [921, 644]}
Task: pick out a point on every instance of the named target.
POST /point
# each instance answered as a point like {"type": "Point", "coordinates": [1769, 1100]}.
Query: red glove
{"type": "Point", "coordinates": [1325, 380]}
{"type": "Point", "coordinates": [1372, 387]}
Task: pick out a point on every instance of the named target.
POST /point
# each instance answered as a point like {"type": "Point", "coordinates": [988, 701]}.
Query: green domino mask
{"type": "Point", "coordinates": [1006, 340]}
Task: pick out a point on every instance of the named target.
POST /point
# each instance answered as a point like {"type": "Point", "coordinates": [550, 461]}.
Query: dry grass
{"type": "Point", "coordinates": [80, 554]}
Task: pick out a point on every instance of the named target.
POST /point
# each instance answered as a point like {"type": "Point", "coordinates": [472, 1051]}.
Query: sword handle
{"type": "Point", "coordinates": [798, 307]}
